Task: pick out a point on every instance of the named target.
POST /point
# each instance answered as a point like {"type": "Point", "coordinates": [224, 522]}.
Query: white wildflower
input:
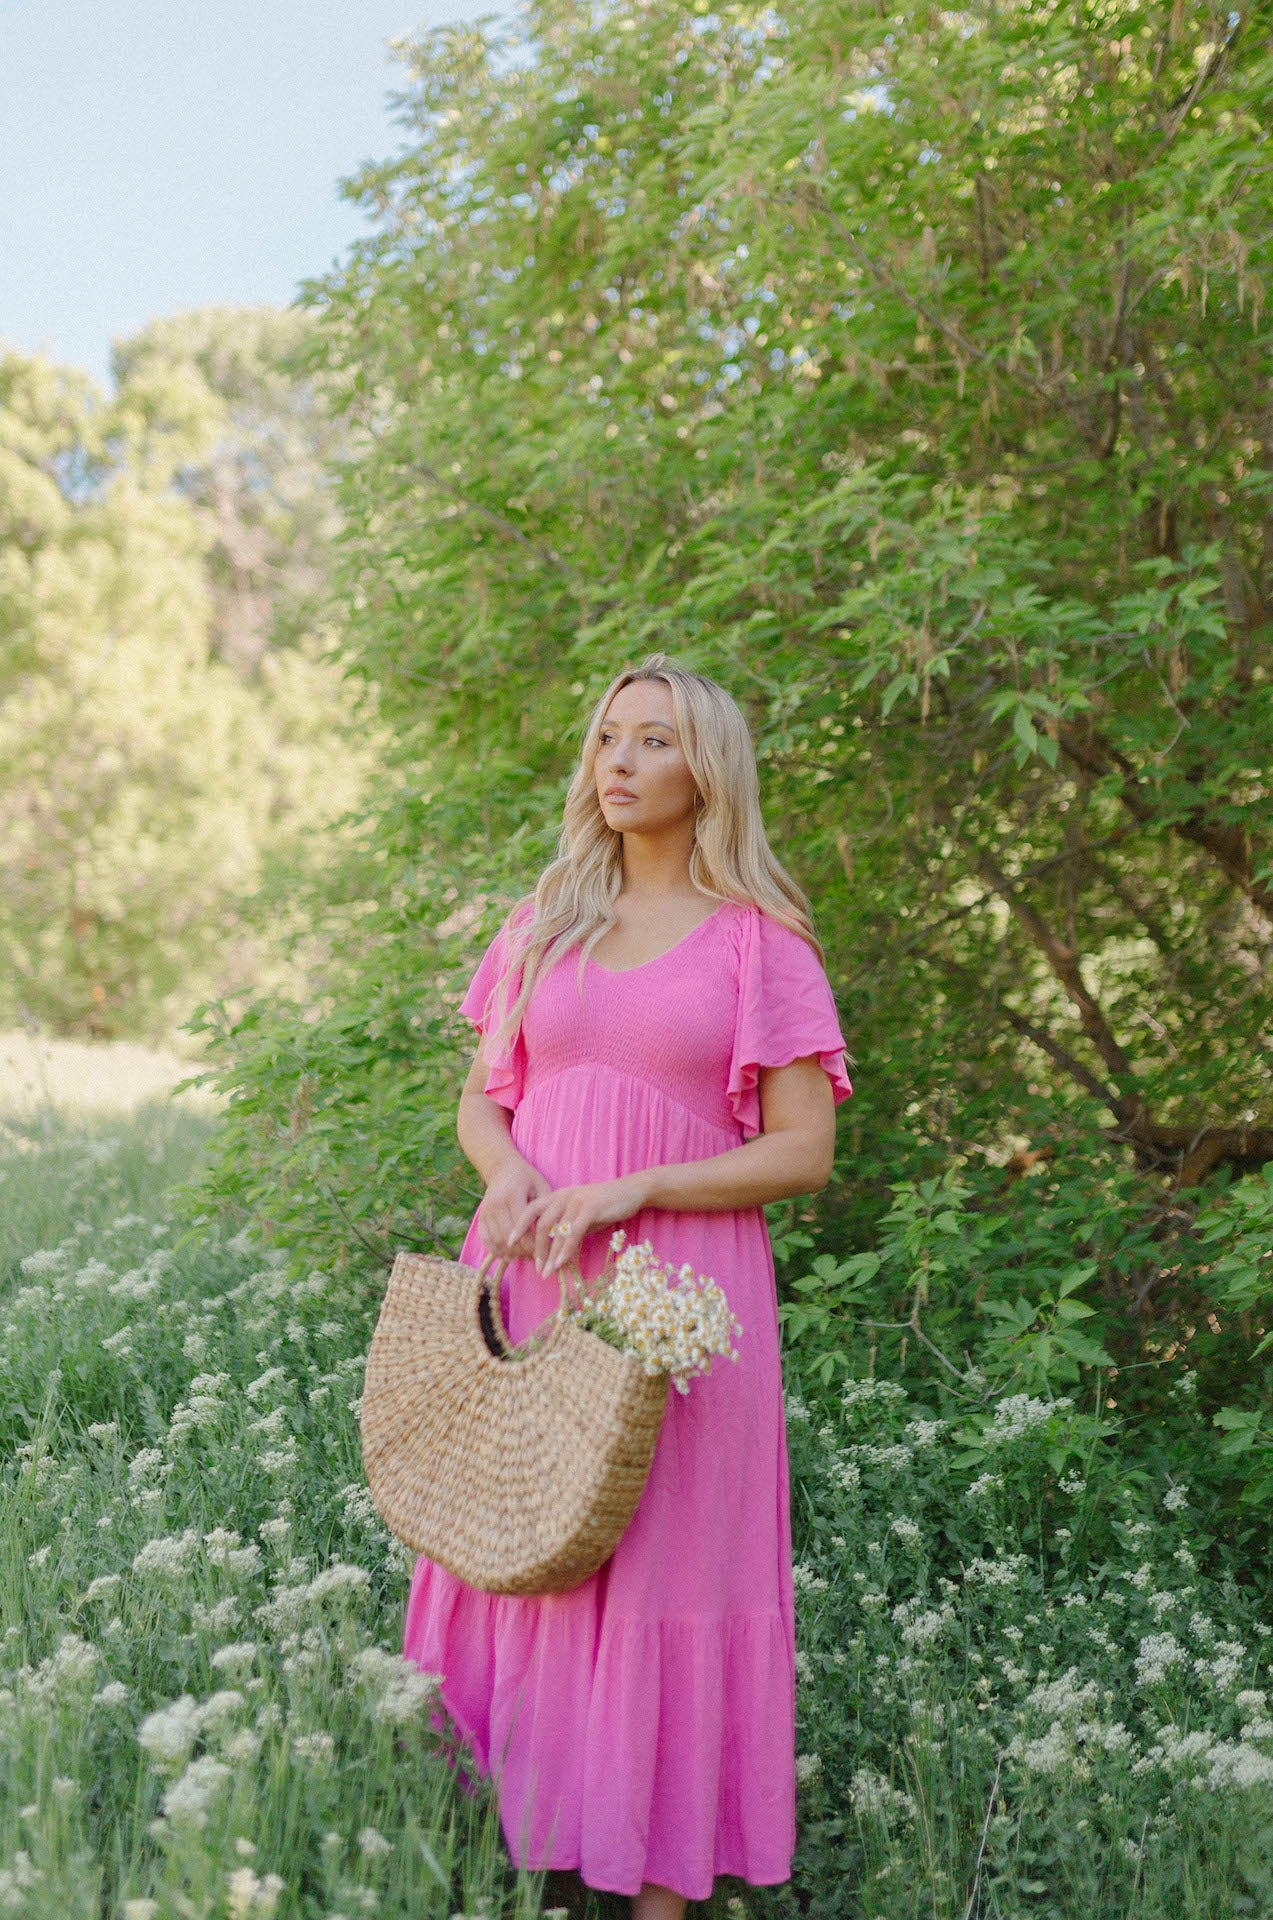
{"type": "Point", "coordinates": [248, 1895]}
{"type": "Point", "coordinates": [996, 1573]}
{"type": "Point", "coordinates": [880, 1391]}
{"type": "Point", "coordinates": [921, 1626]}
{"type": "Point", "coordinates": [317, 1748]}
{"type": "Point", "coordinates": [805, 1580]}
{"type": "Point", "coordinates": [357, 1505]}
{"type": "Point", "coordinates": [17, 1881]}
{"type": "Point", "coordinates": [1017, 1413]}
{"type": "Point", "coordinates": [1235, 1764]}
{"type": "Point", "coordinates": [219, 1705]}
{"type": "Point", "coordinates": [1065, 1698]}
{"type": "Point", "coordinates": [983, 1485]}
{"type": "Point", "coordinates": [216, 1619]}
{"type": "Point", "coordinates": [104, 1584]}
{"type": "Point", "coordinates": [1251, 1700]}
{"type": "Point", "coordinates": [402, 1690]}
{"type": "Point", "coordinates": [1049, 1753]}
{"type": "Point", "coordinates": [103, 1430]}
{"type": "Point", "coordinates": [808, 1767]}
{"type": "Point", "coordinates": [140, 1910]}
{"type": "Point", "coordinates": [924, 1433]}
{"type": "Point", "coordinates": [170, 1731]}
{"type": "Point", "coordinates": [136, 1285]}
{"type": "Point", "coordinates": [264, 1381]}
{"type": "Point", "coordinates": [873, 1794]}
{"type": "Point", "coordinates": [203, 1406]}
{"type": "Point", "coordinates": [169, 1556]}
{"type": "Point", "coordinates": [47, 1260]}
{"type": "Point", "coordinates": [113, 1694]}
{"type": "Point", "coordinates": [905, 1528]}
{"type": "Point", "coordinates": [68, 1671]}
{"type": "Point", "coordinates": [189, 1799]}
{"type": "Point", "coordinates": [1175, 1498]}
{"type": "Point", "coordinates": [280, 1459]}
{"type": "Point", "coordinates": [373, 1843]}
{"type": "Point", "coordinates": [233, 1657]}
{"type": "Point", "coordinates": [1226, 1667]}
{"type": "Point", "coordinates": [145, 1464]}
{"type": "Point", "coordinates": [674, 1320]}
{"type": "Point", "coordinates": [1157, 1654]}
{"type": "Point", "coordinates": [894, 1459]}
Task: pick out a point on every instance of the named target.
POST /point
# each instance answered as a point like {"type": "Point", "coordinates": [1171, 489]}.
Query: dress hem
{"type": "Point", "coordinates": [627, 1890]}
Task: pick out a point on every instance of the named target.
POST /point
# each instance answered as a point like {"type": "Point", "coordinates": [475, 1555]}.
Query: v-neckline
{"type": "Point", "coordinates": [617, 973]}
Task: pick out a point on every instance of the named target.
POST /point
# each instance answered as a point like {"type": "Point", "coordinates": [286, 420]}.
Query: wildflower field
{"type": "Point", "coordinates": [1028, 1685]}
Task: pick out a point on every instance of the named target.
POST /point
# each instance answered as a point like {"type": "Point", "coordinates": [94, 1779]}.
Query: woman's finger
{"type": "Point", "coordinates": [522, 1232]}
{"type": "Point", "coordinates": [566, 1244]}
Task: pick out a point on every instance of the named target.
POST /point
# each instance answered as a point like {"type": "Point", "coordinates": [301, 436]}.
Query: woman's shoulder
{"type": "Point", "coordinates": [755, 928]}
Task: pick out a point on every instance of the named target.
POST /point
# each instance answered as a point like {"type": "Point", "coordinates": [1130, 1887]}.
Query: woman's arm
{"type": "Point", "coordinates": [793, 1155]}
{"type": "Point", "coordinates": [484, 1130]}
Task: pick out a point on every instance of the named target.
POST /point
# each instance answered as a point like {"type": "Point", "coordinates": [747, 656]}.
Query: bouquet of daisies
{"type": "Point", "coordinates": [674, 1320]}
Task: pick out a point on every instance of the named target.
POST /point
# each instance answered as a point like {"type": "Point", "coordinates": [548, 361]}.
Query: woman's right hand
{"type": "Point", "coordinates": [506, 1199]}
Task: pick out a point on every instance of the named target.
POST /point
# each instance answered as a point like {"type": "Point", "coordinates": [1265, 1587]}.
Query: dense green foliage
{"type": "Point", "coordinates": [173, 741]}
{"type": "Point", "coordinates": [906, 373]}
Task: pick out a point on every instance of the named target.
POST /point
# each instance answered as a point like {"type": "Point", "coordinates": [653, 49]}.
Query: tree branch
{"type": "Point", "coordinates": [1042, 389]}
{"type": "Point", "coordinates": [1064, 1059]}
{"type": "Point", "coordinates": [1230, 847]}
{"type": "Point", "coordinates": [1064, 963]}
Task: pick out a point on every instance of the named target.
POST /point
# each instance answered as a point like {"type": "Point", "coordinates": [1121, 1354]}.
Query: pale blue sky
{"type": "Point", "coordinates": [157, 155]}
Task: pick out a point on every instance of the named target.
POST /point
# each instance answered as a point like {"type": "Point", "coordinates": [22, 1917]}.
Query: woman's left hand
{"type": "Point", "coordinates": [577, 1211]}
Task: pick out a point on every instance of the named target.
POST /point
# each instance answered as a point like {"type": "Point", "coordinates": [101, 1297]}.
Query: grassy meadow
{"type": "Point", "coordinates": [1027, 1686]}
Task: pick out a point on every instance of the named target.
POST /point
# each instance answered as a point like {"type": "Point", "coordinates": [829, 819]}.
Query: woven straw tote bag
{"type": "Point", "coordinates": [517, 1468]}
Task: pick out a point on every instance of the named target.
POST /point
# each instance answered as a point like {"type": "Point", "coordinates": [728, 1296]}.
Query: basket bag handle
{"type": "Point", "coordinates": [494, 1332]}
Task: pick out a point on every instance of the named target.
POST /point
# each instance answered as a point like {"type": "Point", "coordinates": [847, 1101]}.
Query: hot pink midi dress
{"type": "Point", "coordinates": [641, 1727]}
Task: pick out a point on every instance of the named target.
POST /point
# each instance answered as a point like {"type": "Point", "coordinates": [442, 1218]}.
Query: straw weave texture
{"type": "Point", "coordinates": [516, 1469]}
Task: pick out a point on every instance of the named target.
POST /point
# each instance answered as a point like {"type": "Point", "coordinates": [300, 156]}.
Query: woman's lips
{"type": "Point", "coordinates": [619, 799]}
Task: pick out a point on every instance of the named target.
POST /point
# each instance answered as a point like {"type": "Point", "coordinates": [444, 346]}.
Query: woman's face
{"type": "Point", "coordinates": [639, 755]}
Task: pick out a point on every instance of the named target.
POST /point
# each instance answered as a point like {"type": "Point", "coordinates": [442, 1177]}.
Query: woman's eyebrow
{"type": "Point", "coordinates": [665, 724]}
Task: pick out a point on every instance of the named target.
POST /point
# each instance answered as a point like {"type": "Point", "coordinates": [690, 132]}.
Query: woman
{"type": "Point", "coordinates": [660, 1050]}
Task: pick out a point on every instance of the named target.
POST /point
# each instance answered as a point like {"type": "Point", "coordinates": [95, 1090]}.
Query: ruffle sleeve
{"type": "Point", "coordinates": [786, 1010]}
{"type": "Point", "coordinates": [505, 1064]}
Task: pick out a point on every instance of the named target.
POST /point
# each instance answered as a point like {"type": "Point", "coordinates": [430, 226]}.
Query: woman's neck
{"type": "Point", "coordinates": [657, 866]}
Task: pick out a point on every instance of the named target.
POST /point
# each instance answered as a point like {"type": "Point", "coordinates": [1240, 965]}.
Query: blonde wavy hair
{"type": "Point", "coordinates": [731, 859]}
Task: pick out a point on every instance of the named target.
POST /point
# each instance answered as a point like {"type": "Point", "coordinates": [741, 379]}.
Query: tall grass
{"type": "Point", "coordinates": [1029, 1686]}
{"type": "Point", "coordinates": [202, 1706]}
{"type": "Point", "coordinates": [1027, 1682]}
